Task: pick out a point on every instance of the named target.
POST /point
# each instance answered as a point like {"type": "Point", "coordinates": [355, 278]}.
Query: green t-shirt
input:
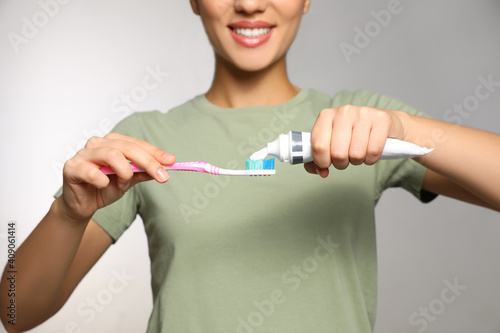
{"type": "Point", "coordinates": [287, 253]}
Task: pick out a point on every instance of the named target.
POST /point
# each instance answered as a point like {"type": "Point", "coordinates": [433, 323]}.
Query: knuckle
{"type": "Point", "coordinates": [326, 112]}
{"type": "Point", "coordinates": [340, 165]}
{"type": "Point", "coordinates": [356, 161]}
{"type": "Point", "coordinates": [382, 117]}
{"type": "Point", "coordinates": [322, 164]}
{"type": "Point", "coordinates": [69, 166]}
{"type": "Point", "coordinates": [372, 156]}
{"type": "Point", "coordinates": [93, 142]}
{"type": "Point", "coordinates": [320, 147]}
{"type": "Point", "coordinates": [357, 156]}
{"type": "Point", "coordinates": [338, 157]}
{"type": "Point", "coordinates": [93, 175]}
{"type": "Point", "coordinates": [129, 174]}
{"type": "Point", "coordinates": [364, 111]}
{"type": "Point", "coordinates": [127, 147]}
{"type": "Point", "coordinates": [158, 153]}
{"type": "Point", "coordinates": [370, 161]}
{"type": "Point", "coordinates": [152, 164]}
{"type": "Point", "coordinates": [112, 135]}
{"type": "Point", "coordinates": [80, 154]}
{"type": "Point", "coordinates": [113, 154]}
{"type": "Point", "coordinates": [72, 164]}
{"type": "Point", "coordinates": [151, 167]}
{"type": "Point", "coordinates": [346, 108]}
{"type": "Point", "coordinates": [373, 153]}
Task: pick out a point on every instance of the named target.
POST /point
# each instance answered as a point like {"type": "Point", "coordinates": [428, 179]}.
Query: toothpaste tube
{"type": "Point", "coordinates": [295, 148]}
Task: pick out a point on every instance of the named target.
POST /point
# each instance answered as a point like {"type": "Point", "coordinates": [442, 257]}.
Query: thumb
{"type": "Point", "coordinates": [314, 169]}
{"type": "Point", "coordinates": [139, 177]}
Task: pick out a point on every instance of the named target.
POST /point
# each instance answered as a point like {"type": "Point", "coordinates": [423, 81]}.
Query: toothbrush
{"type": "Point", "coordinates": [253, 168]}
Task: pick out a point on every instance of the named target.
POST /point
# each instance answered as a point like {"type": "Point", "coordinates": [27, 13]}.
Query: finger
{"type": "Point", "coordinates": [162, 156]}
{"type": "Point", "coordinates": [311, 167]}
{"type": "Point", "coordinates": [115, 159]}
{"type": "Point", "coordinates": [140, 177]}
{"type": "Point", "coordinates": [77, 171]}
{"type": "Point", "coordinates": [321, 134]}
{"type": "Point", "coordinates": [314, 169]}
{"type": "Point", "coordinates": [341, 138]}
{"type": "Point", "coordinates": [137, 151]}
{"type": "Point", "coordinates": [376, 143]}
{"type": "Point", "coordinates": [112, 157]}
{"type": "Point", "coordinates": [359, 141]}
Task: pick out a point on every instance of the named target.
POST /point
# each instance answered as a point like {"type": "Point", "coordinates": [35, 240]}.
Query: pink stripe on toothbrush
{"type": "Point", "coordinates": [200, 166]}
{"type": "Point", "coordinates": [188, 166]}
{"type": "Point", "coordinates": [180, 166]}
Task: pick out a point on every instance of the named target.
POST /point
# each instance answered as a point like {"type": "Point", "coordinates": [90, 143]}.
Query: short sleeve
{"type": "Point", "coordinates": [404, 173]}
{"type": "Point", "coordinates": [117, 217]}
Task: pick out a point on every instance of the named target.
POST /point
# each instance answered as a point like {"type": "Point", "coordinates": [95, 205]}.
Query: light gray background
{"type": "Point", "coordinates": [60, 88]}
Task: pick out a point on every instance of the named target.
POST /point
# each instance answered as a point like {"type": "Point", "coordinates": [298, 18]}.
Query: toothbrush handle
{"type": "Point", "coordinates": [201, 166]}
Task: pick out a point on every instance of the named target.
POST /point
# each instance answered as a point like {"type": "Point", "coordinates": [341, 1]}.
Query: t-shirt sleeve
{"type": "Point", "coordinates": [404, 173]}
{"type": "Point", "coordinates": [118, 216]}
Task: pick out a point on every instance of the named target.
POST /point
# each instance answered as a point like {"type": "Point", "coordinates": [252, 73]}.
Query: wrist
{"type": "Point", "coordinates": [63, 214]}
{"type": "Point", "coordinates": [426, 132]}
{"type": "Point", "coordinates": [401, 121]}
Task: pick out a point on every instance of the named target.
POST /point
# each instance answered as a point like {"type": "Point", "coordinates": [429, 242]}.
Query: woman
{"type": "Point", "coordinates": [279, 254]}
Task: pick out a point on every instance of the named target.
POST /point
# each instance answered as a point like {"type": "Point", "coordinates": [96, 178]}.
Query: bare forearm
{"type": "Point", "coordinates": [42, 263]}
{"type": "Point", "coordinates": [467, 156]}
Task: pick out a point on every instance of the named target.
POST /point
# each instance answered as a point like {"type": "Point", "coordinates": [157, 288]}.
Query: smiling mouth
{"type": "Point", "coordinates": [251, 33]}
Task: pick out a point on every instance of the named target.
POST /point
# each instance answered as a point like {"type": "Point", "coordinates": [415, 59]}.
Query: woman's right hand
{"type": "Point", "coordinates": [86, 188]}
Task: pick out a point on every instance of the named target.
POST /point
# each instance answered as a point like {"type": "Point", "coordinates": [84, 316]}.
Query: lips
{"type": "Point", "coordinates": [251, 33]}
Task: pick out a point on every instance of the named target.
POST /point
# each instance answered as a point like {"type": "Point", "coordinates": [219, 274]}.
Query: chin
{"type": "Point", "coordinates": [252, 63]}
{"type": "Point", "coordinates": [253, 67]}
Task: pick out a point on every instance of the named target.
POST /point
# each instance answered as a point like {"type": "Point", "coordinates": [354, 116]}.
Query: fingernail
{"type": "Point", "coordinates": [162, 175]}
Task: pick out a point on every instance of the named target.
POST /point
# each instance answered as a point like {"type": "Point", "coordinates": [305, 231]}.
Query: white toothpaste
{"type": "Point", "coordinates": [295, 148]}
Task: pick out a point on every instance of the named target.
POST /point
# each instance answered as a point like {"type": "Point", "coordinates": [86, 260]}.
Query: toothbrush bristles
{"type": "Point", "coordinates": [260, 164]}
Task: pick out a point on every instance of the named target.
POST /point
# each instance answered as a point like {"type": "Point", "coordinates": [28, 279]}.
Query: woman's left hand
{"type": "Point", "coordinates": [352, 134]}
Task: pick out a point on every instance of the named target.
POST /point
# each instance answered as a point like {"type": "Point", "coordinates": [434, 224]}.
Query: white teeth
{"type": "Point", "coordinates": [252, 33]}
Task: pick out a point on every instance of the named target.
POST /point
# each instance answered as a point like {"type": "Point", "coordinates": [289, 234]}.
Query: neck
{"type": "Point", "coordinates": [233, 87]}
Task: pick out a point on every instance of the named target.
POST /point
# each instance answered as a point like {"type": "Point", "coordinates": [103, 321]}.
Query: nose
{"type": "Point", "coordinates": [250, 6]}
